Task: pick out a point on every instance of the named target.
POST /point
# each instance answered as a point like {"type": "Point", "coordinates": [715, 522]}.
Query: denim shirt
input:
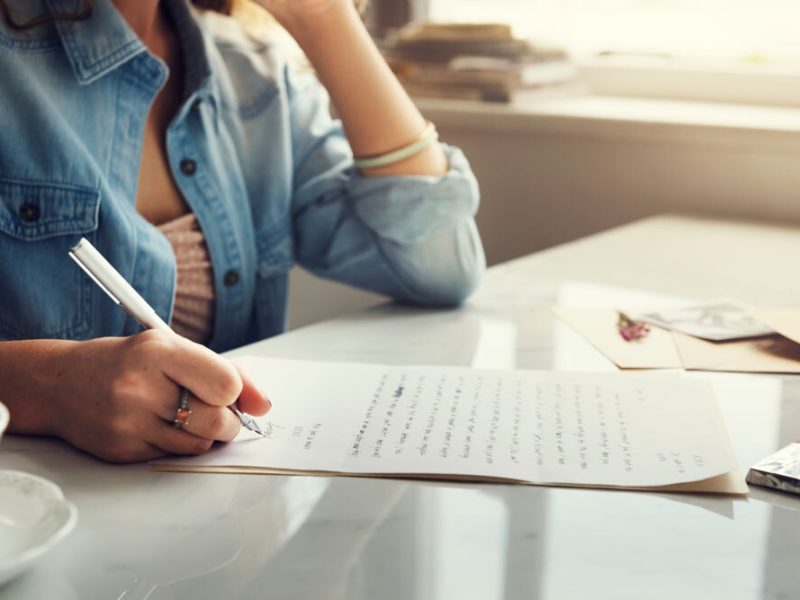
{"type": "Point", "coordinates": [254, 152]}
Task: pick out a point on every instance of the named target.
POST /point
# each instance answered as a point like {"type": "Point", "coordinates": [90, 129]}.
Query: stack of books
{"type": "Point", "coordinates": [473, 62]}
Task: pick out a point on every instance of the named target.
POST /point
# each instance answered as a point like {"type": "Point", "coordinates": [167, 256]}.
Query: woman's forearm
{"type": "Point", "coordinates": [377, 114]}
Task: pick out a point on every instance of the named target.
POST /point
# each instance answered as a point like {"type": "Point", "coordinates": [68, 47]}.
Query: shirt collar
{"type": "Point", "coordinates": [102, 43]}
{"type": "Point", "coordinates": [98, 45]}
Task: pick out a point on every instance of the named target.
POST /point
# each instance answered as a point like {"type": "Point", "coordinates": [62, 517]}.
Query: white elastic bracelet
{"type": "Point", "coordinates": [428, 137]}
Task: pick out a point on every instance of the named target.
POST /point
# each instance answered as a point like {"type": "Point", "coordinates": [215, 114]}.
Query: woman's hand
{"type": "Point", "coordinates": [294, 14]}
{"type": "Point", "coordinates": [116, 398]}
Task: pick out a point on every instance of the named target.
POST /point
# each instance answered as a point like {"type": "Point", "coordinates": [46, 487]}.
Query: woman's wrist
{"type": "Point", "coordinates": [31, 378]}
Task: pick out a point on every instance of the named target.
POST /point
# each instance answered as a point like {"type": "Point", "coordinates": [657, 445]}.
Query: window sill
{"type": "Point", "coordinates": [671, 78]}
{"type": "Point", "coordinates": [635, 119]}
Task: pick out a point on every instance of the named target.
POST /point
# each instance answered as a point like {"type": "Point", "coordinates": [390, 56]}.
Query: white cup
{"type": "Point", "coordinates": [4, 417]}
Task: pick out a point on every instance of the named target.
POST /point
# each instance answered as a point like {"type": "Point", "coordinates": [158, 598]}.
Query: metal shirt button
{"type": "Point", "coordinates": [231, 278]}
{"type": "Point", "coordinates": [29, 212]}
{"type": "Point", "coordinates": [188, 166]}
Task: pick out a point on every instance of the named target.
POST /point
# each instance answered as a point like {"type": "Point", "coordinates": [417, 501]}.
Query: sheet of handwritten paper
{"type": "Point", "coordinates": [600, 430]}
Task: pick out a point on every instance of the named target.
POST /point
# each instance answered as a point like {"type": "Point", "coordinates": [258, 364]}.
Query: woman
{"type": "Point", "coordinates": [203, 166]}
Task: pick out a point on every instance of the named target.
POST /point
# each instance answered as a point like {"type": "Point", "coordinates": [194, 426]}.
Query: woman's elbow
{"type": "Point", "coordinates": [447, 278]}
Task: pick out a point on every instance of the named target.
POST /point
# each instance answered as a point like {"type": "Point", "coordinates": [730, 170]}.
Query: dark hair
{"type": "Point", "coordinates": [85, 11]}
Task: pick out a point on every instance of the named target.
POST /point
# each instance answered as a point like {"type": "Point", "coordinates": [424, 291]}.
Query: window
{"type": "Point", "coordinates": [762, 32]}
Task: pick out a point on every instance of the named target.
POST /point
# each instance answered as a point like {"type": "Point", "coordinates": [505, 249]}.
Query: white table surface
{"type": "Point", "coordinates": [152, 535]}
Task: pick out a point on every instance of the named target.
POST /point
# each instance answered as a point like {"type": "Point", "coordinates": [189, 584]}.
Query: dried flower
{"type": "Point", "coordinates": [630, 329]}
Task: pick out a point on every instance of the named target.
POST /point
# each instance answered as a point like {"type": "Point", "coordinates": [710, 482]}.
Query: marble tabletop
{"type": "Point", "coordinates": [147, 535]}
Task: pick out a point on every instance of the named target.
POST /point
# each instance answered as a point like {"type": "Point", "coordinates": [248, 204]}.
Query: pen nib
{"type": "Point", "coordinates": [250, 423]}
{"type": "Point", "coordinates": [253, 426]}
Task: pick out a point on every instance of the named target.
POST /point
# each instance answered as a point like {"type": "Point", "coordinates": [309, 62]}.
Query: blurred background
{"type": "Point", "coordinates": [580, 115]}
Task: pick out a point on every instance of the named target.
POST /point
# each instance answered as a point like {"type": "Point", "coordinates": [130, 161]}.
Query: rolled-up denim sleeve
{"type": "Point", "coordinates": [412, 238]}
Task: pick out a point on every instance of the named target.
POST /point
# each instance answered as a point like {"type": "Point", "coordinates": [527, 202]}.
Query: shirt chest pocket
{"type": "Point", "coordinates": [43, 294]}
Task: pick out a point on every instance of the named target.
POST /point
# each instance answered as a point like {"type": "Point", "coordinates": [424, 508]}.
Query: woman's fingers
{"type": "Point", "coordinates": [252, 400]}
{"type": "Point", "coordinates": [126, 451]}
{"type": "Point", "coordinates": [207, 375]}
{"type": "Point", "coordinates": [215, 423]}
{"type": "Point", "coordinates": [171, 440]}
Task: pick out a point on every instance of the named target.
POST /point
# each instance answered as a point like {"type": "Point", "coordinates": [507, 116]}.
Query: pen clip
{"type": "Point", "coordinates": [114, 285]}
{"type": "Point", "coordinates": [99, 283]}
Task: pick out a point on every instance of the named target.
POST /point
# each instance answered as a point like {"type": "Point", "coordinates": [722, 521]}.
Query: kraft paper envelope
{"type": "Point", "coordinates": [784, 320]}
{"type": "Point", "coordinates": [663, 349]}
{"type": "Point", "coordinates": [599, 327]}
{"type": "Point", "coordinates": [773, 354]}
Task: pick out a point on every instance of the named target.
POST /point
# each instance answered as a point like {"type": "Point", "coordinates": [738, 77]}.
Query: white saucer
{"type": "Point", "coordinates": [34, 516]}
